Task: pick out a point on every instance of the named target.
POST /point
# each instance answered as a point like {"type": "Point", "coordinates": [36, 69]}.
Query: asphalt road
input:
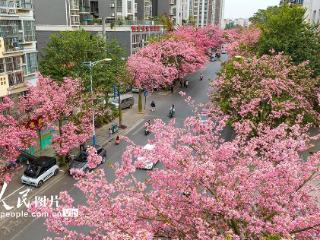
{"type": "Point", "coordinates": [29, 228]}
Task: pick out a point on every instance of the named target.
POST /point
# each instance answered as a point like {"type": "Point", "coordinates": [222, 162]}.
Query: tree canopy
{"type": "Point", "coordinates": [284, 29]}
{"type": "Point", "coordinates": [67, 52]}
{"type": "Point", "coordinates": [269, 90]}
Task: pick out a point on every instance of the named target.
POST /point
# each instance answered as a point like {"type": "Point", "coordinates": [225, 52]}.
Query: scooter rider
{"type": "Point", "coordinates": [172, 111]}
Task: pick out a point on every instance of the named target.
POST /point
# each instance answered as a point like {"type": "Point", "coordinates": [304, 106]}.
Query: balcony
{"type": "Point", "coordinates": [24, 4]}
{"type": "Point", "coordinates": [7, 7]}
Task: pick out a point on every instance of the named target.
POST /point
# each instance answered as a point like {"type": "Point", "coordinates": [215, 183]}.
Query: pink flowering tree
{"type": "Point", "coordinates": [63, 107]}
{"type": "Point", "coordinates": [257, 188]}
{"type": "Point", "coordinates": [14, 136]}
{"type": "Point", "coordinates": [244, 42]}
{"type": "Point", "coordinates": [203, 38]}
{"type": "Point", "coordinates": [159, 64]}
{"type": "Point", "coordinates": [269, 90]}
{"type": "Point", "coordinates": [182, 55]}
{"type": "Point", "coordinates": [148, 72]}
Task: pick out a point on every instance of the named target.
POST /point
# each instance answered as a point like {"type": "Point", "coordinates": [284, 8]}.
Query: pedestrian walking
{"type": "Point", "coordinates": [171, 88]}
{"type": "Point", "coordinates": [201, 77]}
{"type": "Point", "coordinates": [153, 106]}
{"type": "Point", "coordinates": [186, 83]}
{"type": "Point", "coordinates": [110, 132]}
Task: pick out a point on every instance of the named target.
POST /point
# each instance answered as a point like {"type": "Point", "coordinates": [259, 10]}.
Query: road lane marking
{"type": "Point", "coordinates": [134, 126]}
{"type": "Point", "coordinates": [24, 228]}
{"type": "Point", "coordinates": [13, 193]}
{"type": "Point", "coordinates": [138, 130]}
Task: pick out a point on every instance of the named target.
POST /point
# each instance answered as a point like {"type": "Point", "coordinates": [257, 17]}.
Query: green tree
{"type": "Point", "coordinates": [67, 51]}
{"type": "Point", "coordinates": [284, 29]}
{"type": "Point", "coordinates": [230, 25]}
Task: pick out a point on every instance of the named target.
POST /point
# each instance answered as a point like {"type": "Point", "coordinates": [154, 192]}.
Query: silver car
{"type": "Point", "coordinates": [126, 101]}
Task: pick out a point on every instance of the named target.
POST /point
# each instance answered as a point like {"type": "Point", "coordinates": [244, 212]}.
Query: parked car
{"type": "Point", "coordinates": [40, 170]}
{"type": "Point", "coordinates": [126, 101]}
{"type": "Point", "coordinates": [146, 164]}
{"type": "Point", "coordinates": [80, 162]}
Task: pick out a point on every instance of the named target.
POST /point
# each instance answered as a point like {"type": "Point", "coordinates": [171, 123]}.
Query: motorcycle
{"type": "Point", "coordinates": [171, 113]}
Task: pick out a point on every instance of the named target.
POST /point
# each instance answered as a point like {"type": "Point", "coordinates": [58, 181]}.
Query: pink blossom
{"type": "Point", "coordinates": [93, 158]}
{"type": "Point", "coordinates": [247, 188]}
{"type": "Point", "coordinates": [63, 107]}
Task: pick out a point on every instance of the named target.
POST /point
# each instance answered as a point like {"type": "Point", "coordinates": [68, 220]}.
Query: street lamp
{"type": "Point", "coordinates": [91, 64]}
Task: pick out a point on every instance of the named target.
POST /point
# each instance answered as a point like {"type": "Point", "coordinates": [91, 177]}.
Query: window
{"type": "Point", "coordinates": [24, 4]}
{"type": "Point", "coordinates": [129, 7]}
{"type": "Point", "coordinates": [9, 30]}
{"type": "Point", "coordinates": [75, 20]}
{"type": "Point", "coordinates": [1, 65]}
{"type": "Point", "coordinates": [15, 78]}
{"type": "Point", "coordinates": [3, 81]}
{"type": "Point", "coordinates": [119, 5]}
{"type": "Point", "coordinates": [9, 64]}
{"type": "Point", "coordinates": [31, 63]}
{"type": "Point", "coordinates": [16, 63]}
{"type": "Point", "coordinates": [29, 31]}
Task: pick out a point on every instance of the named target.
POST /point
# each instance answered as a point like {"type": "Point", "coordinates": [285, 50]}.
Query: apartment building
{"type": "Point", "coordinates": [204, 12]}
{"type": "Point", "coordinates": [116, 9]}
{"type": "Point", "coordinates": [218, 8]}
{"type": "Point", "coordinates": [149, 9]}
{"type": "Point", "coordinates": [144, 9]}
{"type": "Point", "coordinates": [70, 15]}
{"type": "Point", "coordinates": [18, 55]}
{"type": "Point", "coordinates": [160, 7]}
{"type": "Point", "coordinates": [180, 11]}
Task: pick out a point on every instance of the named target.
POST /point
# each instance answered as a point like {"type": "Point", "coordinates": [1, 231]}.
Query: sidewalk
{"type": "Point", "coordinates": [129, 118]}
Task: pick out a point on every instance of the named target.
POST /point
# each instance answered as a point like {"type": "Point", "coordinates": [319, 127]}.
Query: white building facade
{"type": "Point", "coordinates": [312, 10]}
{"type": "Point", "coordinates": [18, 55]}
{"type": "Point", "coordinates": [180, 11]}
{"type": "Point", "coordinates": [207, 12]}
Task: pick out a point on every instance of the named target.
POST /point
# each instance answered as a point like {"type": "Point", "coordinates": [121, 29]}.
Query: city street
{"type": "Point", "coordinates": [29, 228]}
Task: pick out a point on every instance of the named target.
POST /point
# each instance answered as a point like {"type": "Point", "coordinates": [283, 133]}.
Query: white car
{"type": "Point", "coordinates": [39, 171]}
{"type": "Point", "coordinates": [203, 117]}
{"type": "Point", "coordinates": [146, 164]}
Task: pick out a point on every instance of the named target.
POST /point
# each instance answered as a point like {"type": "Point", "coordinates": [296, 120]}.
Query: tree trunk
{"type": "Point", "coordinates": [140, 102]}
{"type": "Point", "coordinates": [62, 159]}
